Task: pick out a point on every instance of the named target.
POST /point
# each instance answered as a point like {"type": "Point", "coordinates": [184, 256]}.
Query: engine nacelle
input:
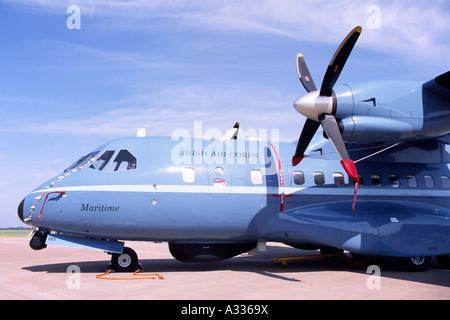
{"type": "Point", "coordinates": [391, 111]}
{"type": "Point", "coordinates": [208, 252]}
{"type": "Point", "coordinates": [372, 129]}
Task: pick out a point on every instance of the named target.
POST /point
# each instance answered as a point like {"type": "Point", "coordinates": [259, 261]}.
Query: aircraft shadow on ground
{"type": "Point", "coordinates": [262, 264]}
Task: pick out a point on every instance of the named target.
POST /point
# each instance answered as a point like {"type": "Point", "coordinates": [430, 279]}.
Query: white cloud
{"type": "Point", "coordinates": [219, 106]}
{"type": "Point", "coordinates": [416, 30]}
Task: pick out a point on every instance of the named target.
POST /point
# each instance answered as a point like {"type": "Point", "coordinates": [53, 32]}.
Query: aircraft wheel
{"type": "Point", "coordinates": [37, 242]}
{"type": "Point", "coordinates": [415, 263]}
{"type": "Point", "coordinates": [444, 261]}
{"type": "Point", "coordinates": [125, 262]}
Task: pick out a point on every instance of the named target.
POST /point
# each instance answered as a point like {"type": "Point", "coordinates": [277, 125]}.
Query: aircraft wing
{"type": "Point", "coordinates": [439, 86]}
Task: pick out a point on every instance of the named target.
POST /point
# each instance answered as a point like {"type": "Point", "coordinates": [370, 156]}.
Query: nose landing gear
{"type": "Point", "coordinates": [37, 242]}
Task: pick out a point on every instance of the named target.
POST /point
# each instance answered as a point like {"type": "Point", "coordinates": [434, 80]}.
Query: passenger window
{"type": "Point", "coordinates": [412, 181]}
{"type": "Point", "coordinates": [124, 161]}
{"type": "Point", "coordinates": [429, 181]}
{"type": "Point", "coordinates": [103, 160]}
{"type": "Point", "coordinates": [256, 176]}
{"type": "Point", "coordinates": [189, 175]}
{"type": "Point", "coordinates": [299, 178]}
{"type": "Point", "coordinates": [394, 180]}
{"type": "Point", "coordinates": [319, 178]}
{"type": "Point", "coordinates": [376, 179]}
{"type": "Point", "coordinates": [338, 179]}
{"type": "Point", "coordinates": [445, 182]}
{"type": "Point", "coordinates": [361, 179]}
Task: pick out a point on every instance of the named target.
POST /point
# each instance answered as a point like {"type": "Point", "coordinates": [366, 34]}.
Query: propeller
{"type": "Point", "coordinates": [304, 75]}
{"type": "Point", "coordinates": [320, 106]}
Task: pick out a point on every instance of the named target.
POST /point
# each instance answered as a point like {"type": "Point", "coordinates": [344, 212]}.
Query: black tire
{"type": "Point", "coordinates": [125, 262]}
{"type": "Point", "coordinates": [37, 242]}
{"type": "Point", "coordinates": [444, 261]}
{"type": "Point", "coordinates": [415, 264]}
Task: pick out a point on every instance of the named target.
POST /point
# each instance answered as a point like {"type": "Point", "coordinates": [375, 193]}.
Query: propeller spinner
{"type": "Point", "coordinates": [320, 106]}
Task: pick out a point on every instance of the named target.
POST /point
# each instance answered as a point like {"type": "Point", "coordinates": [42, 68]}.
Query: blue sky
{"type": "Point", "coordinates": [164, 64]}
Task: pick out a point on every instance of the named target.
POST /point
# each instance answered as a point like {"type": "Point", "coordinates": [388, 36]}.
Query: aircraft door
{"type": "Point", "coordinates": [219, 180]}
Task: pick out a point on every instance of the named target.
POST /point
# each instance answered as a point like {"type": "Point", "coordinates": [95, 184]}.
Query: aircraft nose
{"type": "Point", "coordinates": [20, 210]}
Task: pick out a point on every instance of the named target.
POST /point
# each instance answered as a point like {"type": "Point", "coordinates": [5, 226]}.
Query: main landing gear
{"type": "Point", "coordinates": [415, 263]}
{"type": "Point", "coordinates": [423, 263]}
{"type": "Point", "coordinates": [124, 262]}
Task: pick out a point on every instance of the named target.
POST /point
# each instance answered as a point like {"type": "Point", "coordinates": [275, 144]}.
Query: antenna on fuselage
{"type": "Point", "coordinates": [232, 133]}
{"type": "Point", "coordinates": [141, 132]}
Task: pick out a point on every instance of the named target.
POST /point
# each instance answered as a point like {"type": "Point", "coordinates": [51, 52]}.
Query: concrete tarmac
{"type": "Point", "coordinates": [70, 273]}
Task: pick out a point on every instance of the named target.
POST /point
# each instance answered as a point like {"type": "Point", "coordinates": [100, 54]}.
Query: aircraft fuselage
{"type": "Point", "coordinates": [241, 192]}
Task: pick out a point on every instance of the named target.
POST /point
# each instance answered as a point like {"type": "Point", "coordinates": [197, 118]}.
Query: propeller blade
{"type": "Point", "coordinates": [304, 75]}
{"type": "Point", "coordinates": [331, 128]}
{"type": "Point", "coordinates": [338, 61]}
{"type": "Point", "coordinates": [308, 132]}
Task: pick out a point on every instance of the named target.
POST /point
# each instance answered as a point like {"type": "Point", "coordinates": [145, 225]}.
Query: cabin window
{"type": "Point", "coordinates": [103, 160]}
{"type": "Point", "coordinates": [256, 176]}
{"type": "Point", "coordinates": [445, 182]}
{"type": "Point", "coordinates": [394, 180]}
{"type": "Point", "coordinates": [412, 181]}
{"type": "Point", "coordinates": [189, 175]}
{"type": "Point", "coordinates": [299, 178]}
{"type": "Point", "coordinates": [319, 178]}
{"type": "Point", "coordinates": [429, 181]}
{"type": "Point", "coordinates": [376, 179]}
{"type": "Point", "coordinates": [124, 161]}
{"type": "Point", "coordinates": [338, 179]}
{"type": "Point", "coordinates": [361, 179]}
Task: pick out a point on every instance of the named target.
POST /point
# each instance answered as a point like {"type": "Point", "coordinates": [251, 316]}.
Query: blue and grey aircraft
{"type": "Point", "coordinates": [370, 174]}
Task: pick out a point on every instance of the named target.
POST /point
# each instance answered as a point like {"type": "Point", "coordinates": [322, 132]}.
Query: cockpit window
{"type": "Point", "coordinates": [124, 161]}
{"type": "Point", "coordinates": [82, 161]}
{"type": "Point", "coordinates": [103, 160]}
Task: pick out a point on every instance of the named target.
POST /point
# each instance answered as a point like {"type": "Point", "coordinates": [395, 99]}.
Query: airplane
{"type": "Point", "coordinates": [375, 182]}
